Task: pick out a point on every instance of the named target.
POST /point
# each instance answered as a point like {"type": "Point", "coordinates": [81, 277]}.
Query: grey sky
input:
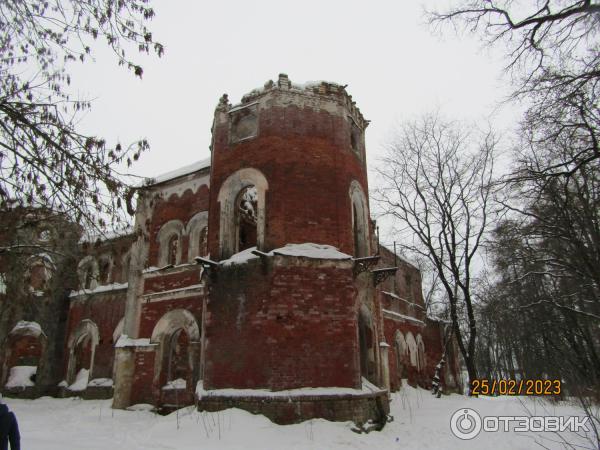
{"type": "Point", "coordinates": [394, 66]}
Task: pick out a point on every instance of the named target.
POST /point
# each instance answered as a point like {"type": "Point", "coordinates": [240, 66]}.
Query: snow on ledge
{"type": "Point", "coordinates": [367, 388]}
{"type": "Point", "coordinates": [126, 341]}
{"type": "Point", "coordinates": [310, 250]}
{"type": "Point", "coordinates": [81, 381]}
{"type": "Point", "coordinates": [101, 382]}
{"type": "Point", "coordinates": [20, 376]}
{"type": "Point", "coordinates": [306, 250]}
{"type": "Point", "coordinates": [30, 328]}
{"type": "Point", "coordinates": [98, 289]}
{"type": "Point", "coordinates": [179, 383]}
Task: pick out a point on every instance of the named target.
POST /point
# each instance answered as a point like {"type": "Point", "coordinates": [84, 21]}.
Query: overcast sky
{"type": "Point", "coordinates": [395, 66]}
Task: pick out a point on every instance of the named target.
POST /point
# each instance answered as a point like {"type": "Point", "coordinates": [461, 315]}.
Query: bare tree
{"type": "Point", "coordinates": [553, 56]}
{"type": "Point", "coordinates": [45, 161]}
{"type": "Point", "coordinates": [437, 182]}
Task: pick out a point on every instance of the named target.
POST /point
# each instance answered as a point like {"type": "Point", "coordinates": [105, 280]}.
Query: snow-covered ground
{"type": "Point", "coordinates": [421, 422]}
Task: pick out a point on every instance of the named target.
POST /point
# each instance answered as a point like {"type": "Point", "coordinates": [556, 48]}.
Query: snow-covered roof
{"type": "Point", "coordinates": [185, 170]}
{"type": "Point", "coordinates": [111, 234]}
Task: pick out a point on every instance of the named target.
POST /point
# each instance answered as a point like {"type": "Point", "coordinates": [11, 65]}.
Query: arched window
{"type": "Point", "coordinates": [39, 276]}
{"type": "Point", "coordinates": [197, 231]}
{"type": "Point", "coordinates": [104, 269]}
{"type": "Point", "coordinates": [242, 217]}
{"type": "Point", "coordinates": [169, 241]}
{"type": "Point", "coordinates": [82, 347]}
{"type": "Point", "coordinates": [401, 354]}
{"type": "Point", "coordinates": [246, 218]}
{"type": "Point", "coordinates": [173, 250]}
{"type": "Point", "coordinates": [176, 363]}
{"type": "Point", "coordinates": [203, 242]}
{"type": "Point", "coordinates": [360, 220]}
{"type": "Point", "coordinates": [89, 278]}
{"type": "Point", "coordinates": [88, 272]}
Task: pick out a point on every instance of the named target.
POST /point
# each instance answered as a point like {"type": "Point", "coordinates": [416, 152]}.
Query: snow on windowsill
{"type": "Point", "coordinates": [20, 376]}
{"type": "Point", "coordinates": [101, 382]}
{"type": "Point", "coordinates": [98, 289]}
{"type": "Point", "coordinates": [179, 383]}
{"type": "Point", "coordinates": [367, 388]}
{"type": "Point", "coordinates": [305, 250]}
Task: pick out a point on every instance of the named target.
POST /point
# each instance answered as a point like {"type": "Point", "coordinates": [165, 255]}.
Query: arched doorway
{"type": "Point", "coordinates": [24, 348]}
{"type": "Point", "coordinates": [82, 348]}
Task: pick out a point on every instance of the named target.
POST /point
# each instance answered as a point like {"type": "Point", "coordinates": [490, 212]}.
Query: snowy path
{"type": "Point", "coordinates": [421, 422]}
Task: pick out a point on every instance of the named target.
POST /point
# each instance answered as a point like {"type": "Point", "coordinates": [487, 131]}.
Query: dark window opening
{"type": "Point", "coordinates": [104, 272]}
{"type": "Point", "coordinates": [89, 278]}
{"type": "Point", "coordinates": [247, 218]}
{"type": "Point", "coordinates": [172, 249]}
{"type": "Point", "coordinates": [203, 244]}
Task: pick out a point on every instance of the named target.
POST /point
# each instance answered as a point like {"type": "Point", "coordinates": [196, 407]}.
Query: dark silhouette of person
{"type": "Point", "coordinates": [9, 429]}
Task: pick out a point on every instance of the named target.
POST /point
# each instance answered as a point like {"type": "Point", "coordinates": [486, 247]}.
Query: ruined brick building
{"type": "Point", "coordinates": [254, 279]}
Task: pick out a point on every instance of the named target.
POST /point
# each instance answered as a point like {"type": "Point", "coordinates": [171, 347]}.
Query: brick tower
{"type": "Point", "coordinates": [295, 157]}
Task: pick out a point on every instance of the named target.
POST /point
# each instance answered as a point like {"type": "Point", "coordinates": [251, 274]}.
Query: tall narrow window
{"type": "Point", "coordinates": [247, 208]}
{"type": "Point", "coordinates": [89, 278]}
{"type": "Point", "coordinates": [203, 244]}
{"type": "Point", "coordinates": [173, 248]}
{"type": "Point", "coordinates": [104, 271]}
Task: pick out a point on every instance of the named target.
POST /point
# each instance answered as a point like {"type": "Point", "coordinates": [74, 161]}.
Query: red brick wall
{"type": "Point", "coordinates": [152, 312]}
{"type": "Point", "coordinates": [281, 328]}
{"type": "Point", "coordinates": [309, 164]}
{"type": "Point", "coordinates": [142, 388]}
{"type": "Point", "coordinates": [168, 280]}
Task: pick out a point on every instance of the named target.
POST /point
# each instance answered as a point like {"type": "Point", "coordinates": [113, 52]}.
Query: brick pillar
{"type": "Point", "coordinates": [385, 364]}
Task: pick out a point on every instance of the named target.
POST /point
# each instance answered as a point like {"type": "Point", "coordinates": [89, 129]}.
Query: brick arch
{"type": "Point", "coordinates": [167, 231]}
{"type": "Point", "coordinates": [86, 329]}
{"type": "Point", "coordinates": [227, 197]}
{"type": "Point", "coordinates": [360, 219]}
